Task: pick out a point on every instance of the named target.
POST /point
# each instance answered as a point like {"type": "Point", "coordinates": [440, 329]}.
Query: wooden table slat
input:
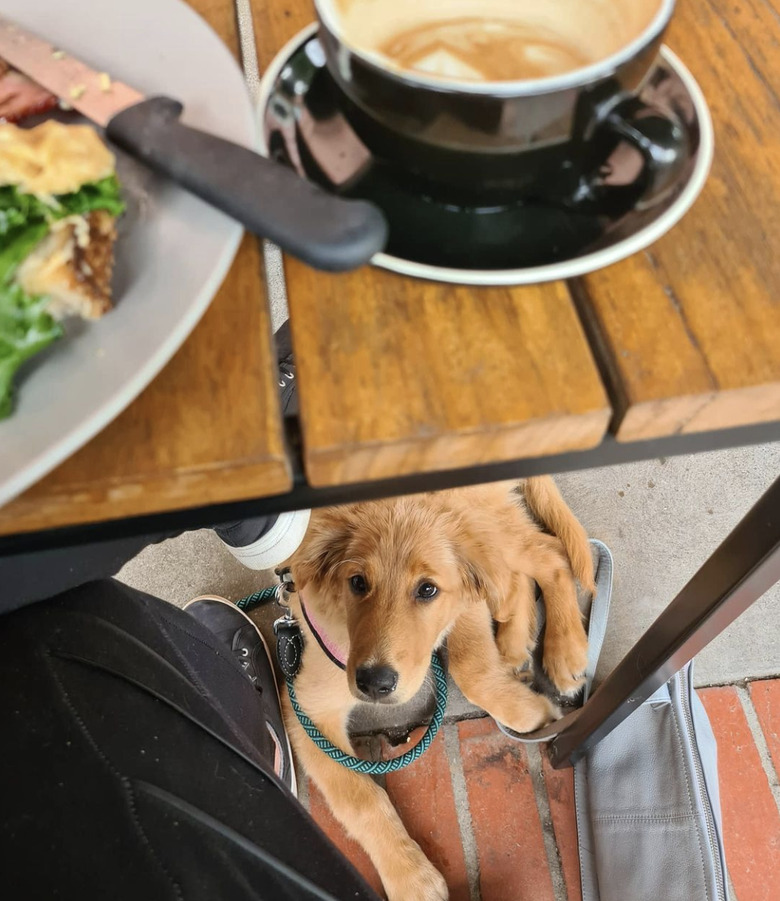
{"type": "Point", "coordinates": [689, 330]}
{"type": "Point", "coordinates": [398, 375]}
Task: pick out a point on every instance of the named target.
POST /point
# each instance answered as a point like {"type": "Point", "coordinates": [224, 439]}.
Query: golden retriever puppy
{"type": "Point", "coordinates": [381, 585]}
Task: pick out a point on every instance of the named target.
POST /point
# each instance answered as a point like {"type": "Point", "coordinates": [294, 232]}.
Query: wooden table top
{"type": "Point", "coordinates": [399, 376]}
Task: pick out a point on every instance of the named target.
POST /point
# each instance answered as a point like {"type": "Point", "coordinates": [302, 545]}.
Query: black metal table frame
{"type": "Point", "coordinates": [739, 571]}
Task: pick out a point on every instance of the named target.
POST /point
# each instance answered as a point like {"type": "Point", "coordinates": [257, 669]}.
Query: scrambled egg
{"type": "Point", "coordinates": [52, 158]}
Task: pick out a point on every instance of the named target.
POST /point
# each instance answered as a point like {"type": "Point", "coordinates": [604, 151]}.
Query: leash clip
{"type": "Point", "coordinates": [286, 580]}
{"type": "Point", "coordinates": [289, 643]}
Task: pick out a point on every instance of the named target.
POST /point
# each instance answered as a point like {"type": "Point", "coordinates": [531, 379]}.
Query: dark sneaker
{"type": "Point", "coordinates": [287, 391]}
{"type": "Point", "coordinates": [235, 629]}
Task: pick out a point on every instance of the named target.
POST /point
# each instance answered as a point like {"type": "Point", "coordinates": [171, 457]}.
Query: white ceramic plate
{"type": "Point", "coordinates": [173, 251]}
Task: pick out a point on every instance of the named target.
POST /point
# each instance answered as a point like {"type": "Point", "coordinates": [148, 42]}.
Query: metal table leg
{"type": "Point", "coordinates": [742, 569]}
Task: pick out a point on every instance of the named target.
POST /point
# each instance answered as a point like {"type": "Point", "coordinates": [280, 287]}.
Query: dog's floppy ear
{"type": "Point", "coordinates": [486, 577]}
{"type": "Point", "coordinates": [323, 546]}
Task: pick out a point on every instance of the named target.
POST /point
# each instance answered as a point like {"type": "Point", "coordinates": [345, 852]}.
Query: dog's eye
{"type": "Point", "coordinates": [427, 591]}
{"type": "Point", "coordinates": [358, 584]}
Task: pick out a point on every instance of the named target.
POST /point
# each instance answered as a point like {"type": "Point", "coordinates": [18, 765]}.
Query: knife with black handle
{"type": "Point", "coordinates": [270, 200]}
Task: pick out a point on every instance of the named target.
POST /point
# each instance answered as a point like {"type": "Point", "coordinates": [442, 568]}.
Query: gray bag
{"type": "Point", "coordinates": [647, 800]}
{"type": "Point", "coordinates": [648, 807]}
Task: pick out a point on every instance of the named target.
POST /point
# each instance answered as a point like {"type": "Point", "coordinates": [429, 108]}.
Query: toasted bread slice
{"type": "Point", "coordinates": [73, 265]}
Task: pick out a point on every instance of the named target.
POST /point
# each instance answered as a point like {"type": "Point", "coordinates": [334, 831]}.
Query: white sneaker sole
{"type": "Point", "coordinates": [275, 546]}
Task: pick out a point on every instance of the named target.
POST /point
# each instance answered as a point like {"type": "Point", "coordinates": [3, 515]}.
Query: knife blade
{"type": "Point", "coordinates": [271, 200]}
{"type": "Point", "coordinates": [94, 94]}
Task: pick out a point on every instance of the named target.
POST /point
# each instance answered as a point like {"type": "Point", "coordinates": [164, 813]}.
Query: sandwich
{"type": "Point", "coordinates": [59, 202]}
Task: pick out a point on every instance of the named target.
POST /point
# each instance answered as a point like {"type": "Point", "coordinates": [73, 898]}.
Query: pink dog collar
{"type": "Point", "coordinates": [329, 647]}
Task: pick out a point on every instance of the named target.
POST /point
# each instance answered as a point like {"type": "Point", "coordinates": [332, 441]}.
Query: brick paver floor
{"type": "Point", "coordinates": [499, 822]}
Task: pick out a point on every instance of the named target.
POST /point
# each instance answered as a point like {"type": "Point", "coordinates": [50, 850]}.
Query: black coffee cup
{"type": "Point", "coordinates": [545, 138]}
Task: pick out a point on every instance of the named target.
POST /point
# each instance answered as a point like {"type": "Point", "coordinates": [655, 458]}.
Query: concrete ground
{"type": "Point", "coordinates": [661, 518]}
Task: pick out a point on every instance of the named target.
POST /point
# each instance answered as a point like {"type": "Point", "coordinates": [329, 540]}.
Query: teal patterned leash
{"type": "Point", "coordinates": [259, 597]}
{"type": "Point", "coordinates": [379, 767]}
{"type": "Point", "coordinates": [370, 767]}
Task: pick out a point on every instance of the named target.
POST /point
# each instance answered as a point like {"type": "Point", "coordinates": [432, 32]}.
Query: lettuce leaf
{"type": "Point", "coordinates": [25, 329]}
{"type": "Point", "coordinates": [16, 244]}
{"type": "Point", "coordinates": [18, 209]}
{"type": "Point", "coordinates": [96, 195]}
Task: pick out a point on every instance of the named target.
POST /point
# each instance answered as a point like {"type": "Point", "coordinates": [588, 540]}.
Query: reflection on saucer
{"type": "Point", "coordinates": [306, 124]}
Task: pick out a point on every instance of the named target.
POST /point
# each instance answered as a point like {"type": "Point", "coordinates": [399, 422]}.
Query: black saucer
{"type": "Point", "coordinates": [306, 124]}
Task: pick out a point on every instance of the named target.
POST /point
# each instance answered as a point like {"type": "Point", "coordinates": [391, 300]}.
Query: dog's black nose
{"type": "Point", "coordinates": [376, 681]}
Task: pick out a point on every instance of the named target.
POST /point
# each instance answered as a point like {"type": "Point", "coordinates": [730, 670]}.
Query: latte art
{"type": "Point", "coordinates": [488, 41]}
{"type": "Point", "coordinates": [483, 49]}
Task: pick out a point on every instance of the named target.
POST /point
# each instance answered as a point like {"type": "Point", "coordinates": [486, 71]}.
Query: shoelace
{"type": "Point", "coordinates": [244, 657]}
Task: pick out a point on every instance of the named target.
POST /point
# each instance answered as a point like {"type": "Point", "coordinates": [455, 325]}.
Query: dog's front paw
{"type": "Point", "coordinates": [565, 660]}
{"type": "Point", "coordinates": [530, 712]}
{"type": "Point", "coordinates": [416, 880]}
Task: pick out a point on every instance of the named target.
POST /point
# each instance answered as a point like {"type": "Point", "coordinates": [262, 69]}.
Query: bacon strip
{"type": "Point", "coordinates": [20, 96]}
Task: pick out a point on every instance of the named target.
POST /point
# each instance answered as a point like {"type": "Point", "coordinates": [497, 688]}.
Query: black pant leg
{"type": "Point", "coordinates": [38, 575]}
{"type": "Point", "coordinates": [135, 763]}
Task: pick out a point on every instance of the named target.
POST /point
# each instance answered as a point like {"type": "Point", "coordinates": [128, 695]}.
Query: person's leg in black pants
{"type": "Point", "coordinates": [135, 763]}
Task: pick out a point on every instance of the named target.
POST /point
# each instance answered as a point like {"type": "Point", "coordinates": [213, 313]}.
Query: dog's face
{"type": "Point", "coordinates": [400, 572]}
